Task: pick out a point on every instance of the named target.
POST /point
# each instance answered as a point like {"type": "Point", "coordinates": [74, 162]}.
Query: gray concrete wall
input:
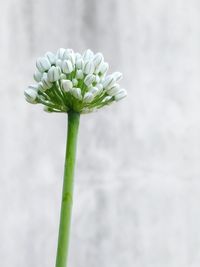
{"type": "Point", "coordinates": [137, 188]}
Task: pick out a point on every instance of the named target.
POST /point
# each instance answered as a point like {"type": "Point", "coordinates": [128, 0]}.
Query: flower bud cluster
{"type": "Point", "coordinates": [68, 81]}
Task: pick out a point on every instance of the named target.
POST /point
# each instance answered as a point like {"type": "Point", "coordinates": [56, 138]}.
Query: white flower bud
{"type": "Point", "coordinates": [88, 97]}
{"type": "Point", "coordinates": [37, 76]}
{"type": "Point", "coordinates": [43, 64]}
{"type": "Point", "coordinates": [51, 57]}
{"type": "Point", "coordinates": [61, 53]}
{"type": "Point", "coordinates": [104, 68]}
{"type": "Point", "coordinates": [89, 79]}
{"type": "Point", "coordinates": [120, 95]}
{"type": "Point", "coordinates": [59, 63]}
{"type": "Point", "coordinates": [54, 74]}
{"type": "Point", "coordinates": [98, 59]}
{"type": "Point", "coordinates": [41, 87]}
{"type": "Point", "coordinates": [67, 66]}
{"type": "Point", "coordinates": [76, 92]}
{"type": "Point", "coordinates": [117, 75]}
{"type": "Point", "coordinates": [75, 82]}
{"type": "Point", "coordinates": [95, 91]}
{"type": "Point", "coordinates": [33, 87]}
{"type": "Point", "coordinates": [71, 57]}
{"type": "Point", "coordinates": [113, 90]}
{"type": "Point", "coordinates": [67, 85]}
{"type": "Point", "coordinates": [88, 54]}
{"type": "Point", "coordinates": [46, 83]}
{"type": "Point", "coordinates": [88, 67]}
{"type": "Point", "coordinates": [79, 63]}
{"type": "Point", "coordinates": [31, 95]}
{"type": "Point", "coordinates": [108, 82]}
{"type": "Point", "coordinates": [79, 74]}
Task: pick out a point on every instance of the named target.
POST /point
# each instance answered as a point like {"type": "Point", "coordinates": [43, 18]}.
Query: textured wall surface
{"type": "Point", "coordinates": [137, 189]}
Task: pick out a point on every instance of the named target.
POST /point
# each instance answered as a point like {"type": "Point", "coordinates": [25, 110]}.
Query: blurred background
{"type": "Point", "coordinates": [137, 187]}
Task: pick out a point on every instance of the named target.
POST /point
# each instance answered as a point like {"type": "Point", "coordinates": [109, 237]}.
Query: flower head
{"type": "Point", "coordinates": [68, 81]}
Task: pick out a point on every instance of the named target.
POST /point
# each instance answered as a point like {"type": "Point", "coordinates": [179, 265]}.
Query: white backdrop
{"type": "Point", "coordinates": [137, 188]}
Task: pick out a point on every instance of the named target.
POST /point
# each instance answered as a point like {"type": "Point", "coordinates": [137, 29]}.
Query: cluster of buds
{"type": "Point", "coordinates": [71, 81]}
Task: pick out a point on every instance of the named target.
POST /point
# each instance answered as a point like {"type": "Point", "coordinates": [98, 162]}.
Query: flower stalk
{"type": "Point", "coordinates": [67, 193]}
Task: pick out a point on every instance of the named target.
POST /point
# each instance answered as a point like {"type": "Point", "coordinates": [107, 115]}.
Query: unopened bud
{"type": "Point", "coordinates": [88, 67]}
{"type": "Point", "coordinates": [51, 57]}
{"type": "Point", "coordinates": [54, 74]}
{"type": "Point", "coordinates": [95, 91]}
{"type": "Point", "coordinates": [98, 59]}
{"type": "Point", "coordinates": [76, 92]}
{"type": "Point", "coordinates": [113, 90]}
{"type": "Point", "coordinates": [43, 64]}
{"type": "Point", "coordinates": [89, 79]}
{"type": "Point", "coordinates": [34, 87]}
{"type": "Point", "coordinates": [104, 68]}
{"type": "Point", "coordinates": [37, 76]}
{"type": "Point", "coordinates": [30, 95]}
{"type": "Point", "coordinates": [117, 75]}
{"type": "Point", "coordinates": [108, 82]}
{"type": "Point", "coordinates": [71, 57]}
{"type": "Point", "coordinates": [67, 85]}
{"type": "Point", "coordinates": [88, 97]}
{"type": "Point", "coordinates": [41, 87]}
{"type": "Point", "coordinates": [122, 93]}
{"type": "Point", "coordinates": [67, 66]}
{"type": "Point", "coordinates": [46, 83]}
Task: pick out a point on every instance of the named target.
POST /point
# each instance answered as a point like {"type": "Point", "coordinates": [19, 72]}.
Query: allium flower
{"type": "Point", "coordinates": [68, 81]}
{"type": "Point", "coordinates": [74, 84]}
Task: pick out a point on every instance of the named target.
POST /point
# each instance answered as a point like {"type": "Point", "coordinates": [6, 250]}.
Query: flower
{"type": "Point", "coordinates": [68, 81]}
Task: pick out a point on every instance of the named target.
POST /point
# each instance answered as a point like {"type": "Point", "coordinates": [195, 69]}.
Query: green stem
{"type": "Point", "coordinates": [67, 193]}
